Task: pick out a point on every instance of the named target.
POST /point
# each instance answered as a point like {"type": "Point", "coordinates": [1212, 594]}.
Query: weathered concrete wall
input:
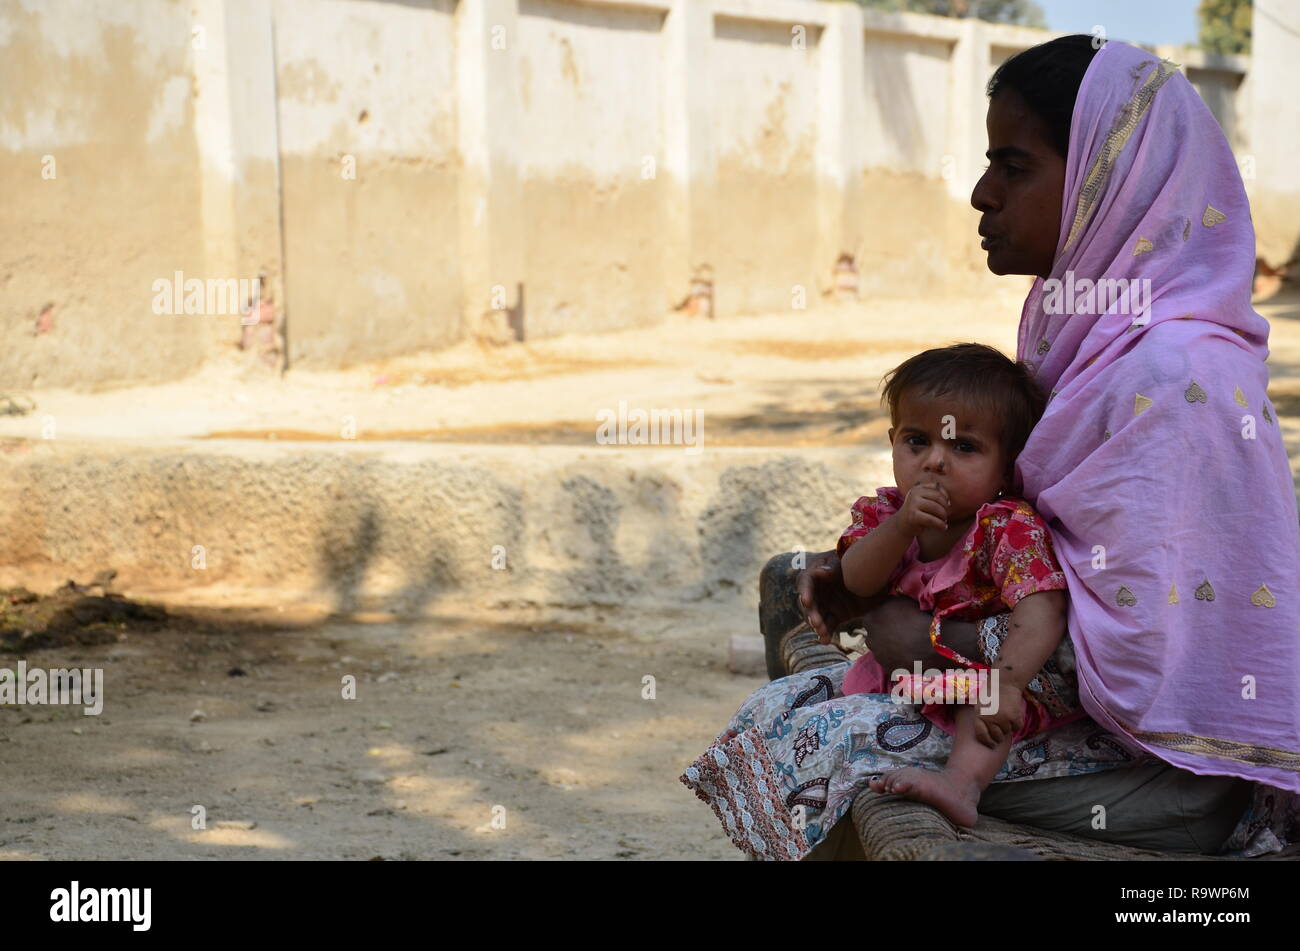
{"type": "Point", "coordinates": [367, 101]}
{"type": "Point", "coordinates": [409, 173]}
{"type": "Point", "coordinates": [408, 524]}
{"type": "Point", "coordinates": [1274, 130]}
{"type": "Point", "coordinates": [101, 192]}
{"type": "Point", "coordinates": [236, 131]}
{"type": "Point", "coordinates": [761, 227]}
{"type": "Point", "coordinates": [915, 228]}
{"type": "Point", "coordinates": [590, 132]}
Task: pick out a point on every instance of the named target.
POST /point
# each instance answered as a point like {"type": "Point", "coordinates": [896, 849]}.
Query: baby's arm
{"type": "Point", "coordinates": [869, 561]}
{"type": "Point", "coordinates": [1036, 628]}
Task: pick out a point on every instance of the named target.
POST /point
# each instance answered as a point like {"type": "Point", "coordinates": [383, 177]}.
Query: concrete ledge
{"type": "Point", "coordinates": [391, 526]}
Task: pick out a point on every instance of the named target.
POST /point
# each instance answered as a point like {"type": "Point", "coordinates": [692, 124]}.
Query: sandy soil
{"type": "Point", "coordinates": [454, 716]}
{"type": "Point", "coordinates": [739, 372]}
{"type": "Point", "coordinates": [807, 378]}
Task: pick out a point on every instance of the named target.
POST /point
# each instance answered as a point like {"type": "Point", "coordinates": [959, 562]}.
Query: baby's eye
{"type": "Point", "coordinates": [966, 444]}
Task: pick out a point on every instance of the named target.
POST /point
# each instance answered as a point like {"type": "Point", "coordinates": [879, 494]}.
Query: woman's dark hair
{"type": "Point", "coordinates": [974, 375]}
{"type": "Point", "coordinates": [1048, 77]}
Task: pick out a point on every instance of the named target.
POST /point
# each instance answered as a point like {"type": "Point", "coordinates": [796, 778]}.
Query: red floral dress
{"type": "Point", "coordinates": [1006, 555]}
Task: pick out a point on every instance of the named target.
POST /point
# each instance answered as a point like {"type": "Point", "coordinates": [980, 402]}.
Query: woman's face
{"type": "Point", "coordinates": [1019, 194]}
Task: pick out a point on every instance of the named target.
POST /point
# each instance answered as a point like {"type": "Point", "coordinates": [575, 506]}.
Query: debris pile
{"type": "Point", "coordinates": [71, 614]}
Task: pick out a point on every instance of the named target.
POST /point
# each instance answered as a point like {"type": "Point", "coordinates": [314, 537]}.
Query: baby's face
{"type": "Point", "coordinates": [938, 440]}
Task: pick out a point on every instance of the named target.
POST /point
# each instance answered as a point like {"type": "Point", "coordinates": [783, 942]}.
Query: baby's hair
{"type": "Point", "coordinates": [976, 376]}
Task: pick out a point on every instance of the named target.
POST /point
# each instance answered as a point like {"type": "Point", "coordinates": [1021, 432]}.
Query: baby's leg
{"type": "Point", "coordinates": [956, 790]}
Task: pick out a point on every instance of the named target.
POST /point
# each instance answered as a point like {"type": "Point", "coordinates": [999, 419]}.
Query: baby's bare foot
{"type": "Point", "coordinates": [956, 798]}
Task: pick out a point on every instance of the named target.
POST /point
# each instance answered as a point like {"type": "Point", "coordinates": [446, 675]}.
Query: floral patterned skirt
{"type": "Point", "coordinates": [788, 765]}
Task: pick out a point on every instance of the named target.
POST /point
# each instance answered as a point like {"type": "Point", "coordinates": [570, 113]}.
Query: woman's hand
{"type": "Point", "coordinates": [826, 603]}
{"type": "Point", "coordinates": [898, 632]}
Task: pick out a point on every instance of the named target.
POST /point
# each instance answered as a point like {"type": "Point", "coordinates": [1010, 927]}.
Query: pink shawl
{"type": "Point", "coordinates": [1159, 463]}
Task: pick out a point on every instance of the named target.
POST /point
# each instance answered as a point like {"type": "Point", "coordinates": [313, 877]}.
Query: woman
{"type": "Point", "coordinates": [1160, 468]}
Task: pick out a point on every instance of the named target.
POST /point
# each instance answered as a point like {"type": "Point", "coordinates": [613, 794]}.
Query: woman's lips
{"type": "Point", "coordinates": [989, 242]}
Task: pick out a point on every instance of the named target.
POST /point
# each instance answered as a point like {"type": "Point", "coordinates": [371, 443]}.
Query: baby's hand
{"type": "Point", "coordinates": [926, 506]}
{"type": "Point", "coordinates": [991, 729]}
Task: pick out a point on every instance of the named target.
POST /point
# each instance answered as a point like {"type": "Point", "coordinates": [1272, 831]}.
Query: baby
{"type": "Point", "coordinates": [953, 538]}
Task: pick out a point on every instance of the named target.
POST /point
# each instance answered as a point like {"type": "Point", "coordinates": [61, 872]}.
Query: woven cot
{"type": "Point", "coordinates": [891, 828]}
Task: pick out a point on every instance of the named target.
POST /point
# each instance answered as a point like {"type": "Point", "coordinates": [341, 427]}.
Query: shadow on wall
{"type": "Point", "coordinates": [406, 522]}
{"type": "Point", "coordinates": [587, 541]}
{"type": "Point", "coordinates": [363, 531]}
{"type": "Point", "coordinates": [345, 560]}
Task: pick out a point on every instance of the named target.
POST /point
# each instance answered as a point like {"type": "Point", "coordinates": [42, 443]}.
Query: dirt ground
{"type": "Point", "coordinates": [459, 719]}
{"type": "Point", "coordinates": [531, 716]}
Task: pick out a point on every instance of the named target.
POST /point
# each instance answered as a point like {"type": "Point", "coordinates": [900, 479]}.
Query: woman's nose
{"type": "Point", "coordinates": [981, 196]}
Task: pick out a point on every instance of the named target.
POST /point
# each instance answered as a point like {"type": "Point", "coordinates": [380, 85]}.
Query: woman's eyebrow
{"type": "Point", "coordinates": [1008, 152]}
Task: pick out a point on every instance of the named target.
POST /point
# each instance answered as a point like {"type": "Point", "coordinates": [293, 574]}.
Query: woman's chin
{"type": "Point", "coordinates": [997, 262]}
{"type": "Point", "coordinates": [1002, 263]}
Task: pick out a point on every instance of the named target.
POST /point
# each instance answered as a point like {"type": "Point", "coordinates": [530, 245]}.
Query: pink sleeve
{"type": "Point", "coordinates": [1023, 561]}
{"type": "Point", "coordinates": [868, 512]}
